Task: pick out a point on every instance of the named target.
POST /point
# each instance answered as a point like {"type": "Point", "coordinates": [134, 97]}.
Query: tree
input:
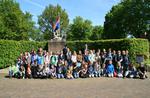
{"type": "Point", "coordinates": [97, 33]}
{"type": "Point", "coordinates": [128, 17]}
{"type": "Point", "coordinates": [36, 35]}
{"type": "Point", "coordinates": [80, 29]}
{"type": "Point", "coordinates": [49, 16]}
{"type": "Point", "coordinates": [14, 24]}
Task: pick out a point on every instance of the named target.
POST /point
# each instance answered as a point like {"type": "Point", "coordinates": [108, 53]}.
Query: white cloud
{"type": "Point", "coordinates": [35, 4]}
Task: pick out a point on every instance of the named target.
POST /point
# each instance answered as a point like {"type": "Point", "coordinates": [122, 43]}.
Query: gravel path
{"type": "Point", "coordinates": [76, 88]}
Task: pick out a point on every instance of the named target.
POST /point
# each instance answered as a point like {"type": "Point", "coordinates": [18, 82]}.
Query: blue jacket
{"type": "Point", "coordinates": [110, 68]}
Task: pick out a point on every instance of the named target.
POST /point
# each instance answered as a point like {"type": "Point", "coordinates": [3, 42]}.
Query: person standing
{"type": "Point", "coordinates": [125, 62]}
{"type": "Point", "coordinates": [40, 61]}
{"type": "Point", "coordinates": [65, 50]}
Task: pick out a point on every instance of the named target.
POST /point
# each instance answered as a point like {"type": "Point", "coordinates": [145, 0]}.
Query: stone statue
{"type": "Point", "coordinates": [57, 35]}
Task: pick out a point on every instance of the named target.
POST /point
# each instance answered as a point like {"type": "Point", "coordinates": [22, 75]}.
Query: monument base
{"type": "Point", "coordinates": [56, 45]}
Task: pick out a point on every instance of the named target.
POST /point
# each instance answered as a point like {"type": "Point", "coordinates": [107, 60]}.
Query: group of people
{"type": "Point", "coordinates": [71, 64]}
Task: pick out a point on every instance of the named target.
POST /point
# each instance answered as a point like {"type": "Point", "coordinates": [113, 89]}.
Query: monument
{"type": "Point", "coordinates": [58, 41]}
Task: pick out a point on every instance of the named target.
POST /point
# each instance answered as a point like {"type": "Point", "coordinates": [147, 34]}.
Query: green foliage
{"type": "Point", "coordinates": [128, 17]}
{"type": "Point", "coordinates": [14, 24]}
{"type": "Point", "coordinates": [49, 16]}
{"type": "Point", "coordinates": [80, 29]}
{"type": "Point", "coordinates": [97, 33]}
{"type": "Point", "coordinates": [134, 46]}
{"type": "Point", "coordinates": [10, 50]}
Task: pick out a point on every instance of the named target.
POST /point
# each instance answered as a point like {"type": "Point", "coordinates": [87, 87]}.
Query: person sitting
{"type": "Point", "coordinates": [90, 70]}
{"type": "Point", "coordinates": [21, 72]}
{"type": "Point", "coordinates": [142, 71]}
{"type": "Point", "coordinates": [103, 69]}
{"type": "Point", "coordinates": [53, 71]}
{"type": "Point", "coordinates": [132, 72]}
{"type": "Point", "coordinates": [110, 69]}
{"type": "Point", "coordinates": [64, 68]}
{"type": "Point", "coordinates": [13, 71]}
{"type": "Point", "coordinates": [29, 75]}
{"type": "Point", "coordinates": [46, 71]}
{"type": "Point", "coordinates": [83, 71]}
{"type": "Point", "coordinates": [59, 69]}
{"type": "Point", "coordinates": [34, 69]}
{"type": "Point", "coordinates": [97, 69]}
{"type": "Point", "coordinates": [69, 73]}
{"type": "Point", "coordinates": [76, 70]}
{"type": "Point", "coordinates": [119, 70]}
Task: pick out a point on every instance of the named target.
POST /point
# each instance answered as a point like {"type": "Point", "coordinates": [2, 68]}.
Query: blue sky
{"type": "Point", "coordinates": [94, 10]}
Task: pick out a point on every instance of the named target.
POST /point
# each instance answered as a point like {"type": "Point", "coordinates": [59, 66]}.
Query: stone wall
{"type": "Point", "coordinates": [55, 45]}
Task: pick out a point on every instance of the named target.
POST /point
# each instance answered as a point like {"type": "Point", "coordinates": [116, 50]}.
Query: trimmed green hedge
{"type": "Point", "coordinates": [134, 46]}
{"type": "Point", "coordinates": [10, 50]}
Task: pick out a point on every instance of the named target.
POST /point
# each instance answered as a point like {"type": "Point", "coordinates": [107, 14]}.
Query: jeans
{"type": "Point", "coordinates": [97, 73]}
{"type": "Point", "coordinates": [10, 73]}
{"type": "Point", "coordinates": [76, 75]}
{"type": "Point", "coordinates": [131, 74]}
{"type": "Point", "coordinates": [103, 72]}
{"type": "Point", "coordinates": [59, 76]}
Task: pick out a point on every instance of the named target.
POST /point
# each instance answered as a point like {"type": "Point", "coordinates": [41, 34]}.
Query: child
{"type": "Point", "coordinates": [53, 72]}
{"type": "Point", "coordinates": [64, 68]}
{"type": "Point", "coordinates": [110, 69]}
{"type": "Point", "coordinates": [10, 71]}
{"type": "Point", "coordinates": [76, 70]}
{"type": "Point", "coordinates": [69, 73]}
{"type": "Point", "coordinates": [119, 70]}
{"type": "Point", "coordinates": [13, 71]}
{"type": "Point", "coordinates": [22, 72]}
{"type": "Point", "coordinates": [97, 70]}
{"type": "Point", "coordinates": [46, 71]}
{"type": "Point", "coordinates": [103, 69]}
{"type": "Point", "coordinates": [131, 73]}
{"type": "Point", "coordinates": [90, 70]}
{"type": "Point", "coordinates": [83, 72]}
{"type": "Point", "coordinates": [34, 69]}
{"type": "Point", "coordinates": [142, 71]}
{"type": "Point", "coordinates": [29, 75]}
{"type": "Point", "coordinates": [59, 69]}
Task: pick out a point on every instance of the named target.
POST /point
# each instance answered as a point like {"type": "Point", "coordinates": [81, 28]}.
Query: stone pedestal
{"type": "Point", "coordinates": [56, 45]}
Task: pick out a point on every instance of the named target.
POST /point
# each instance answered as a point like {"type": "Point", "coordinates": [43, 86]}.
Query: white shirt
{"type": "Point", "coordinates": [74, 58]}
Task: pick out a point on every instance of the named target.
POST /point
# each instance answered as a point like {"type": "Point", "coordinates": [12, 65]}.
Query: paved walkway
{"type": "Point", "coordinates": [78, 88]}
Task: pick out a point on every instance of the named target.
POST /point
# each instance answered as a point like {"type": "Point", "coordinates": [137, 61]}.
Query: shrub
{"type": "Point", "coordinates": [134, 46]}
{"type": "Point", "coordinates": [10, 50]}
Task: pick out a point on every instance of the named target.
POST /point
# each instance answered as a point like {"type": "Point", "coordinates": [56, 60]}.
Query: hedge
{"type": "Point", "coordinates": [134, 46]}
{"type": "Point", "coordinates": [10, 50]}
